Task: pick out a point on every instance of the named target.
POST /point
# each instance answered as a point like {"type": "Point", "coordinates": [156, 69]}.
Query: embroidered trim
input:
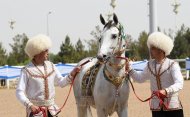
{"type": "Point", "coordinates": [39, 76]}
{"type": "Point", "coordinates": [157, 75]}
{"type": "Point", "coordinates": [152, 109]}
{"type": "Point", "coordinates": [48, 102]}
{"type": "Point", "coordinates": [43, 76]}
{"type": "Point", "coordinates": [116, 66]}
{"type": "Point", "coordinates": [116, 81]}
{"type": "Point", "coordinates": [88, 80]}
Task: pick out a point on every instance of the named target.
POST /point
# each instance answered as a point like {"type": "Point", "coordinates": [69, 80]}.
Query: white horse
{"type": "Point", "coordinates": [110, 91]}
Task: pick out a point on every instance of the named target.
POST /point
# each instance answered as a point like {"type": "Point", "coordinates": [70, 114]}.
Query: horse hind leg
{"type": "Point", "coordinates": [84, 111]}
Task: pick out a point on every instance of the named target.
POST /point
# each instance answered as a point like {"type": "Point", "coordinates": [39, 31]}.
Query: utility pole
{"type": "Point", "coordinates": [48, 22]}
{"type": "Point", "coordinates": [152, 16]}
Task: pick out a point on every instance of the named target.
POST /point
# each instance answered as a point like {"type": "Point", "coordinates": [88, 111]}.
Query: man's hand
{"type": "Point", "coordinates": [35, 109]}
{"type": "Point", "coordinates": [75, 71]}
{"type": "Point", "coordinates": [163, 92]}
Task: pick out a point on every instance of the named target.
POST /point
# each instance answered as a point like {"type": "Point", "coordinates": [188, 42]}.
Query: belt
{"type": "Point", "coordinates": [49, 102]}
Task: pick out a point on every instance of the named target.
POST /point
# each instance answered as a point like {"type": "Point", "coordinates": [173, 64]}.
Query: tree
{"type": "Point", "coordinates": [142, 46]}
{"type": "Point", "coordinates": [67, 51]}
{"type": "Point", "coordinates": [92, 48]}
{"type": "Point", "coordinates": [53, 57]}
{"type": "Point", "coordinates": [79, 46]}
{"type": "Point", "coordinates": [3, 56]}
{"type": "Point", "coordinates": [80, 52]}
{"type": "Point", "coordinates": [181, 44]}
{"type": "Point", "coordinates": [93, 43]}
{"type": "Point", "coordinates": [138, 50]}
{"type": "Point", "coordinates": [132, 49]}
{"type": "Point", "coordinates": [18, 56]}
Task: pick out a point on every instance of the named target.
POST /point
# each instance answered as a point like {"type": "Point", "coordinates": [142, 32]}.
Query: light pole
{"type": "Point", "coordinates": [153, 15]}
{"type": "Point", "coordinates": [48, 22]}
{"type": "Point", "coordinates": [176, 6]}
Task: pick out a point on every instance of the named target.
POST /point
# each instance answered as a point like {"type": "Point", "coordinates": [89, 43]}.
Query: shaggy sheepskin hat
{"type": "Point", "coordinates": [37, 44]}
{"type": "Point", "coordinates": [161, 41]}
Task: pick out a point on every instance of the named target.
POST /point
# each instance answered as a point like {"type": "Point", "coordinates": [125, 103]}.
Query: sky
{"type": "Point", "coordinates": [77, 18]}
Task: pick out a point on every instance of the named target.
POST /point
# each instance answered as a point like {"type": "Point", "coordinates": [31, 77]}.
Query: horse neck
{"type": "Point", "coordinates": [116, 66]}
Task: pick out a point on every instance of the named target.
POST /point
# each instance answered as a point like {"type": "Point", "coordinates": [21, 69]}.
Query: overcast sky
{"type": "Point", "coordinates": [77, 18]}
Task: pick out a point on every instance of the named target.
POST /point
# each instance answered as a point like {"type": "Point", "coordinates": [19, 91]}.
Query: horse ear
{"type": "Point", "coordinates": [102, 20]}
{"type": "Point", "coordinates": [115, 19]}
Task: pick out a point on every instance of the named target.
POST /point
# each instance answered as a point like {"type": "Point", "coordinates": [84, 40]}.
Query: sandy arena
{"type": "Point", "coordinates": [10, 107]}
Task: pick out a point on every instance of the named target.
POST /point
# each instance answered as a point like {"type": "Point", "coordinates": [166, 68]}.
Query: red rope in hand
{"type": "Point", "coordinates": [72, 82]}
{"type": "Point", "coordinates": [41, 109]}
{"type": "Point", "coordinates": [157, 94]}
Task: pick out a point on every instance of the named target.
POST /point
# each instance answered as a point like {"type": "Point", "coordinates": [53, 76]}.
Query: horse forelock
{"type": "Point", "coordinates": [110, 24]}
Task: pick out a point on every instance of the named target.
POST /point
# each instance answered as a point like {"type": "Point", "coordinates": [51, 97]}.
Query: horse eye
{"type": "Point", "coordinates": [114, 36]}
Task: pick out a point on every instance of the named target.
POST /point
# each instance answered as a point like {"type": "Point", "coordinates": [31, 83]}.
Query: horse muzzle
{"type": "Point", "coordinates": [102, 58]}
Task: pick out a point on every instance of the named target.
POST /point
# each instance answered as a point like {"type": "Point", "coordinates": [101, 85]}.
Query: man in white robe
{"type": "Point", "coordinates": [165, 77]}
{"type": "Point", "coordinates": [36, 87]}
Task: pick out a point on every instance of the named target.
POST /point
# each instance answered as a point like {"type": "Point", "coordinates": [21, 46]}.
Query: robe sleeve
{"type": "Point", "coordinates": [60, 80]}
{"type": "Point", "coordinates": [141, 76]}
{"type": "Point", "coordinates": [21, 89]}
{"type": "Point", "coordinates": [177, 78]}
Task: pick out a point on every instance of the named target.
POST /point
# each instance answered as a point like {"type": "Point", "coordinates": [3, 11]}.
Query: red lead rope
{"type": "Point", "coordinates": [41, 109]}
{"type": "Point", "coordinates": [71, 87]}
{"type": "Point", "coordinates": [157, 94]}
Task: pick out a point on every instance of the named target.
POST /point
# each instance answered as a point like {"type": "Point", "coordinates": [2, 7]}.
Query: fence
{"type": "Point", "coordinates": [12, 72]}
{"type": "Point", "coordinates": [187, 67]}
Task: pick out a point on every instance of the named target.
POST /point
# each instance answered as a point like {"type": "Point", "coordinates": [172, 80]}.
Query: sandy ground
{"type": "Point", "coordinates": [10, 107]}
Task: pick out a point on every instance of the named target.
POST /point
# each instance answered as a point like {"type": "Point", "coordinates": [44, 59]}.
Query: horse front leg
{"type": "Point", "coordinates": [122, 112]}
{"type": "Point", "coordinates": [84, 111]}
{"type": "Point", "coordinates": [101, 112]}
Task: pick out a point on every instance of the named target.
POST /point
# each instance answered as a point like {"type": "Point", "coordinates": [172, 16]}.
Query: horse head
{"type": "Point", "coordinates": [111, 41]}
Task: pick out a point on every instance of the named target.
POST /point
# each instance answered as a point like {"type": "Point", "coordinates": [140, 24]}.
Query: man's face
{"type": "Point", "coordinates": [155, 52]}
{"type": "Point", "coordinates": [43, 55]}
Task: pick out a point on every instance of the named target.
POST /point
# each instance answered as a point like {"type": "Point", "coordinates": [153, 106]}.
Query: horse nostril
{"type": "Point", "coordinates": [100, 58]}
{"type": "Point", "coordinates": [104, 56]}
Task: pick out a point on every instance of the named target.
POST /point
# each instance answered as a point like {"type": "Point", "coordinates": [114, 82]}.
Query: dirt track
{"type": "Point", "coordinates": [10, 107]}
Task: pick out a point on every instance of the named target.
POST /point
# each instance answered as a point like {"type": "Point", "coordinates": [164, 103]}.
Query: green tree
{"type": "Point", "coordinates": [93, 44]}
{"type": "Point", "coordinates": [132, 51]}
{"type": "Point", "coordinates": [52, 57]}
{"type": "Point", "coordinates": [92, 48]}
{"type": "Point", "coordinates": [3, 56]}
{"type": "Point", "coordinates": [181, 44]}
{"type": "Point", "coordinates": [80, 52]}
{"type": "Point", "coordinates": [138, 50]}
{"type": "Point", "coordinates": [17, 56]}
{"type": "Point", "coordinates": [67, 51]}
{"type": "Point", "coordinates": [142, 46]}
